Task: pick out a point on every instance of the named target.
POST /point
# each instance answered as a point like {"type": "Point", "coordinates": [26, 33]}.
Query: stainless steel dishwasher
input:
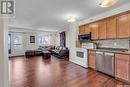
{"type": "Point", "coordinates": [105, 62]}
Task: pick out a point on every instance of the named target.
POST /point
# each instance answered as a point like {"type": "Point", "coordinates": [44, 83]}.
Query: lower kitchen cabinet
{"type": "Point", "coordinates": [122, 67]}
{"type": "Point", "coordinates": [91, 59]}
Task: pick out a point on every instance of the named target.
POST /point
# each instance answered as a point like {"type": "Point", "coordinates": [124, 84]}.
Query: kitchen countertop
{"type": "Point", "coordinates": [112, 51]}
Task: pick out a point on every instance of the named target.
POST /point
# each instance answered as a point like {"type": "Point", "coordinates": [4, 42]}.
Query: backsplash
{"type": "Point", "coordinates": [116, 43]}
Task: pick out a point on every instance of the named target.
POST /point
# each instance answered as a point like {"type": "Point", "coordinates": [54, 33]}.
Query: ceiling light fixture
{"type": "Point", "coordinates": [71, 19]}
{"type": "Point", "coordinates": [107, 3]}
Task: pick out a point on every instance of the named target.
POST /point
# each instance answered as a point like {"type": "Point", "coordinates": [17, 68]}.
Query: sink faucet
{"type": "Point", "coordinates": [97, 45]}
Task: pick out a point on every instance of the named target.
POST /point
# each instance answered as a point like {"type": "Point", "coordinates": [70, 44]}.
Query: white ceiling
{"type": "Point", "coordinates": [52, 14]}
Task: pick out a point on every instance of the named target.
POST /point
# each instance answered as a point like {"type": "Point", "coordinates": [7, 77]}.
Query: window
{"type": "Point", "coordinates": [44, 39]}
{"type": "Point", "coordinates": [17, 42]}
{"type": "Point", "coordinates": [9, 43]}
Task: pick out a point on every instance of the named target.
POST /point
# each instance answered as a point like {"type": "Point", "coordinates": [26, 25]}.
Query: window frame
{"type": "Point", "coordinates": [43, 38]}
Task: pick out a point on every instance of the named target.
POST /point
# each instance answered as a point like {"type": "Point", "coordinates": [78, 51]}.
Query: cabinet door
{"type": "Point", "coordinates": [91, 59]}
{"type": "Point", "coordinates": [111, 27]}
{"type": "Point", "coordinates": [82, 29]}
{"type": "Point", "coordinates": [122, 66]}
{"type": "Point", "coordinates": [123, 26]}
{"type": "Point", "coordinates": [102, 29]}
{"type": "Point", "coordinates": [94, 31]}
{"type": "Point", "coordinates": [87, 29]}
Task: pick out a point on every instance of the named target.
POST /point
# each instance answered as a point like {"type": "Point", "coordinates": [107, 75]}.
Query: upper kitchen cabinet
{"type": "Point", "coordinates": [102, 29]}
{"type": "Point", "coordinates": [123, 26]}
{"type": "Point", "coordinates": [94, 30]}
{"type": "Point", "coordinates": [111, 27]}
{"type": "Point", "coordinates": [87, 28]}
{"type": "Point", "coordinates": [114, 27]}
{"type": "Point", "coordinates": [82, 29]}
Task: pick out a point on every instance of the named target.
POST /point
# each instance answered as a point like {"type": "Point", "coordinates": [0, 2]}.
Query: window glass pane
{"type": "Point", "coordinates": [17, 46]}
{"type": "Point", "coordinates": [17, 39]}
{"type": "Point", "coordinates": [44, 39]}
{"type": "Point", "coordinates": [9, 42]}
{"type": "Point", "coordinates": [17, 42]}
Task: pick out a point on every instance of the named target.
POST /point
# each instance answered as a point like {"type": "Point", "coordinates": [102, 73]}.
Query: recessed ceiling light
{"type": "Point", "coordinates": [71, 19]}
{"type": "Point", "coordinates": [107, 3]}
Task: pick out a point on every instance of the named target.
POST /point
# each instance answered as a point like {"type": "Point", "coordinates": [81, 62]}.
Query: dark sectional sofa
{"type": "Point", "coordinates": [61, 51]}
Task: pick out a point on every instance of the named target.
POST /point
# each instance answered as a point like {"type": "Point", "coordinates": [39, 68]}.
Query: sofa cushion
{"type": "Point", "coordinates": [46, 54]}
{"type": "Point", "coordinates": [56, 51]}
{"type": "Point", "coordinates": [60, 48]}
{"type": "Point", "coordinates": [57, 48]}
{"type": "Point", "coordinates": [64, 48]}
{"type": "Point", "coordinates": [38, 52]}
{"type": "Point", "coordinates": [42, 49]}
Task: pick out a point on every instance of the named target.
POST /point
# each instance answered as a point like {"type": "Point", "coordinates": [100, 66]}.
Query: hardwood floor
{"type": "Point", "coordinates": [38, 72]}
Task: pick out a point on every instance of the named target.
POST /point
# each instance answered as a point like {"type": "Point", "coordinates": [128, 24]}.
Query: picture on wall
{"type": "Point", "coordinates": [32, 39]}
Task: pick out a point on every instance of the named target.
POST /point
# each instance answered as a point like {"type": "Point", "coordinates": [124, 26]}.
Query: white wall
{"type": "Point", "coordinates": [67, 38]}
{"type": "Point", "coordinates": [28, 45]}
{"type": "Point", "coordinates": [73, 31]}
{"type": "Point", "coordinates": [57, 39]}
{"type": "Point", "coordinates": [72, 39]}
{"type": "Point", "coordinates": [4, 80]}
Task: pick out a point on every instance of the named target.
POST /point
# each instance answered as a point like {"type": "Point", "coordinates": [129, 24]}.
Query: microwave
{"type": "Point", "coordinates": [84, 37]}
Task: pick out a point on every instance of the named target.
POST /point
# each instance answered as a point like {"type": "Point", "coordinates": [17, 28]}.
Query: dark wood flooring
{"type": "Point", "coordinates": [38, 72]}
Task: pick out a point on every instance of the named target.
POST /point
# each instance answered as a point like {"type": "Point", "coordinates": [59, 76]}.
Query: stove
{"type": "Point", "coordinates": [81, 55]}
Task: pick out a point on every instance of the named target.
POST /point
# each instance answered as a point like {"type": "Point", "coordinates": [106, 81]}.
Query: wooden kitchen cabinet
{"type": "Point", "coordinates": [114, 27]}
{"type": "Point", "coordinates": [102, 29]}
{"type": "Point", "coordinates": [82, 29]}
{"type": "Point", "coordinates": [87, 28]}
{"type": "Point", "coordinates": [91, 59]}
{"type": "Point", "coordinates": [111, 27]}
{"type": "Point", "coordinates": [123, 26]}
{"type": "Point", "coordinates": [122, 66]}
{"type": "Point", "coordinates": [94, 30]}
